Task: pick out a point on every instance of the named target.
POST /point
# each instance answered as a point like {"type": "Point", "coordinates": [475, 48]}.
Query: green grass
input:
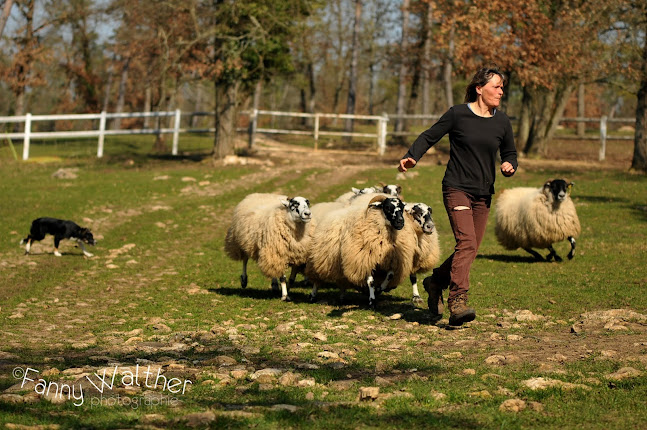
{"type": "Point", "coordinates": [81, 313]}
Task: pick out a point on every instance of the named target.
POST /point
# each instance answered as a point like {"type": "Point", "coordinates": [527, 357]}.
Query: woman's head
{"type": "Point", "coordinates": [485, 76]}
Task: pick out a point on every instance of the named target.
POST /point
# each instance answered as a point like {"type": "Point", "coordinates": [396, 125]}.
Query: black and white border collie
{"type": "Point", "coordinates": [60, 229]}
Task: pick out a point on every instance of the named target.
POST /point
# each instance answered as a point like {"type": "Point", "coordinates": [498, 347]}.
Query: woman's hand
{"type": "Point", "coordinates": [507, 169]}
{"type": "Point", "coordinates": [407, 163]}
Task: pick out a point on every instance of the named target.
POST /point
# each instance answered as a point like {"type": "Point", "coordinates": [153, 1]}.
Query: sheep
{"type": "Point", "coordinates": [391, 190]}
{"type": "Point", "coordinates": [427, 252]}
{"type": "Point", "coordinates": [362, 246]}
{"type": "Point", "coordinates": [274, 231]}
{"type": "Point", "coordinates": [536, 218]}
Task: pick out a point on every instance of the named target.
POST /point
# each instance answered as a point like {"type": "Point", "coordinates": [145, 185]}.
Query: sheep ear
{"type": "Point", "coordinates": [376, 201]}
{"type": "Point", "coordinates": [408, 207]}
{"type": "Point", "coordinates": [398, 189]}
{"type": "Point", "coordinates": [355, 190]}
{"type": "Point", "coordinates": [285, 202]}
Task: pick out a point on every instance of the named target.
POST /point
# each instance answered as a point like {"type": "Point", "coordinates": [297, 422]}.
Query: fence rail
{"type": "Point", "coordinates": [316, 131]}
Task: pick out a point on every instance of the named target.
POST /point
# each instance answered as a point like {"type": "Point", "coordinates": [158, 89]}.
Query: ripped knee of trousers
{"type": "Point", "coordinates": [461, 208]}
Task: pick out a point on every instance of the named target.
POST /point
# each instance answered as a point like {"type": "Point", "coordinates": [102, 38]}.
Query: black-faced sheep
{"type": "Point", "coordinates": [362, 246]}
{"type": "Point", "coordinates": [273, 230]}
{"type": "Point", "coordinates": [537, 218]}
{"type": "Point", "coordinates": [427, 252]}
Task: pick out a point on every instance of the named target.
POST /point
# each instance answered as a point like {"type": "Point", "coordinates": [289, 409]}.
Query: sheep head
{"type": "Point", "coordinates": [298, 208]}
{"type": "Point", "coordinates": [421, 213]}
{"type": "Point", "coordinates": [392, 208]}
{"type": "Point", "coordinates": [557, 190]}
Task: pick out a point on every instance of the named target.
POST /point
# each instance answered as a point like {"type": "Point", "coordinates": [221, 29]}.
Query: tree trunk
{"type": "Point", "coordinates": [197, 107]}
{"type": "Point", "coordinates": [107, 91]}
{"type": "Point", "coordinates": [426, 62]}
{"type": "Point", "coordinates": [525, 120]}
{"type": "Point", "coordinates": [639, 160]}
{"type": "Point", "coordinates": [552, 110]}
{"type": "Point", "coordinates": [581, 112]}
{"type": "Point", "coordinates": [6, 10]}
{"type": "Point", "coordinates": [121, 98]}
{"type": "Point", "coordinates": [148, 96]}
{"type": "Point", "coordinates": [402, 75]}
{"type": "Point", "coordinates": [352, 80]}
{"type": "Point", "coordinates": [226, 94]}
{"type": "Point", "coordinates": [447, 73]}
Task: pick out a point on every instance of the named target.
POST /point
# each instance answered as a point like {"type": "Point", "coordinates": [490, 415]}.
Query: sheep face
{"type": "Point", "coordinates": [557, 190]}
{"type": "Point", "coordinates": [392, 190]}
{"type": "Point", "coordinates": [299, 209]}
{"type": "Point", "coordinates": [393, 210]}
{"type": "Point", "coordinates": [422, 214]}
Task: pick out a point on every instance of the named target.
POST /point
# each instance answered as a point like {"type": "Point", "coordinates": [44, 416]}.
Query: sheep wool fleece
{"type": "Point", "coordinates": [527, 218]}
{"type": "Point", "coordinates": [263, 230]}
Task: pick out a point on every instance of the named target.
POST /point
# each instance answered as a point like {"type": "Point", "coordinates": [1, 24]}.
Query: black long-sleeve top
{"type": "Point", "coordinates": [474, 141]}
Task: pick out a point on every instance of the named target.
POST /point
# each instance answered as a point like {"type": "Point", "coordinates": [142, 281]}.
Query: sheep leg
{"type": "Point", "coordinates": [284, 290]}
{"type": "Point", "coordinates": [313, 293]}
{"type": "Point", "coordinates": [370, 281]}
{"type": "Point", "coordinates": [416, 299]}
{"type": "Point", "coordinates": [535, 254]}
{"type": "Point", "coordinates": [552, 254]}
{"type": "Point", "coordinates": [386, 281]}
{"type": "Point", "coordinates": [572, 253]}
{"type": "Point", "coordinates": [243, 277]}
{"type": "Point", "coordinates": [293, 276]}
{"type": "Point", "coordinates": [275, 285]}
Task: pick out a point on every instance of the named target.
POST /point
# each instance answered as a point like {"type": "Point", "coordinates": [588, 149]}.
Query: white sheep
{"type": "Point", "coordinates": [362, 246]}
{"type": "Point", "coordinates": [391, 190]}
{"type": "Point", "coordinates": [273, 230]}
{"type": "Point", "coordinates": [536, 218]}
{"type": "Point", "coordinates": [427, 252]}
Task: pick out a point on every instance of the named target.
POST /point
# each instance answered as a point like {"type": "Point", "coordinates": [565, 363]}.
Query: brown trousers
{"type": "Point", "coordinates": [468, 216]}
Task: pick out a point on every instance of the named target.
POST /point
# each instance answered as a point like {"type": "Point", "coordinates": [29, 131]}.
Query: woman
{"type": "Point", "coordinates": [477, 130]}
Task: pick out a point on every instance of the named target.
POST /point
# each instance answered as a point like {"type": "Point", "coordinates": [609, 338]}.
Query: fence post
{"type": "Point", "coordinates": [316, 130]}
{"type": "Point", "coordinates": [381, 134]}
{"type": "Point", "coordinates": [603, 138]}
{"type": "Point", "coordinates": [102, 130]}
{"type": "Point", "coordinates": [176, 130]}
{"type": "Point", "coordinates": [252, 127]}
{"type": "Point", "coordinates": [25, 147]}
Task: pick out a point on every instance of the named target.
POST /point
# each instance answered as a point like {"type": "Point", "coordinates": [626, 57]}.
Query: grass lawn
{"type": "Point", "coordinates": [554, 345]}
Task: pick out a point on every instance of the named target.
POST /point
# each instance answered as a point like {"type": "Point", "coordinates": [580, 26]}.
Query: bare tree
{"type": "Point", "coordinates": [6, 10]}
{"type": "Point", "coordinates": [352, 79]}
{"type": "Point", "coordinates": [403, 72]}
{"type": "Point", "coordinates": [427, 61]}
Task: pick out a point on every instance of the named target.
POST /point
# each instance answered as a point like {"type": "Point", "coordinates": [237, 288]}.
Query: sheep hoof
{"type": "Point", "coordinates": [417, 302]}
{"type": "Point", "coordinates": [313, 298]}
{"type": "Point", "coordinates": [286, 299]}
{"type": "Point", "coordinates": [558, 258]}
{"type": "Point", "coordinates": [243, 281]}
{"type": "Point", "coordinates": [372, 304]}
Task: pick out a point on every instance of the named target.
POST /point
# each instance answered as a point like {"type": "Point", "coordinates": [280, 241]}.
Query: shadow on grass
{"type": "Point", "coordinates": [504, 258]}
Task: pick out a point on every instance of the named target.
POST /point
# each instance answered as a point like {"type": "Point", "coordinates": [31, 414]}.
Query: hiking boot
{"type": "Point", "coordinates": [459, 311]}
{"type": "Point", "coordinates": [435, 299]}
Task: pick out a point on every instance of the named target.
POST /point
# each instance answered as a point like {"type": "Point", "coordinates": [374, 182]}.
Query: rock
{"type": "Point", "coordinates": [369, 393]}
{"type": "Point", "coordinates": [11, 398]}
{"type": "Point", "coordinates": [273, 373]}
{"type": "Point", "coordinates": [438, 396]}
{"type": "Point", "coordinates": [469, 372]}
{"type": "Point", "coordinates": [66, 173]}
{"type": "Point", "coordinates": [526, 316]}
{"type": "Point", "coordinates": [624, 373]}
{"type": "Point", "coordinates": [328, 354]}
{"type": "Point", "coordinates": [382, 382]}
{"type": "Point", "coordinates": [513, 405]}
{"type": "Point", "coordinates": [544, 383]}
{"type": "Point", "coordinates": [395, 316]}
{"type": "Point", "coordinates": [282, 407]}
{"type": "Point", "coordinates": [199, 419]}
{"type": "Point", "coordinates": [161, 328]}
{"type": "Point", "coordinates": [305, 383]}
{"type": "Point", "coordinates": [288, 379]}
{"type": "Point", "coordinates": [453, 355]}
{"type": "Point", "coordinates": [320, 336]}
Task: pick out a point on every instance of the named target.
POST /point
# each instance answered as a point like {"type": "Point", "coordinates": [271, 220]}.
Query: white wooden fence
{"type": "Point", "coordinates": [316, 131]}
